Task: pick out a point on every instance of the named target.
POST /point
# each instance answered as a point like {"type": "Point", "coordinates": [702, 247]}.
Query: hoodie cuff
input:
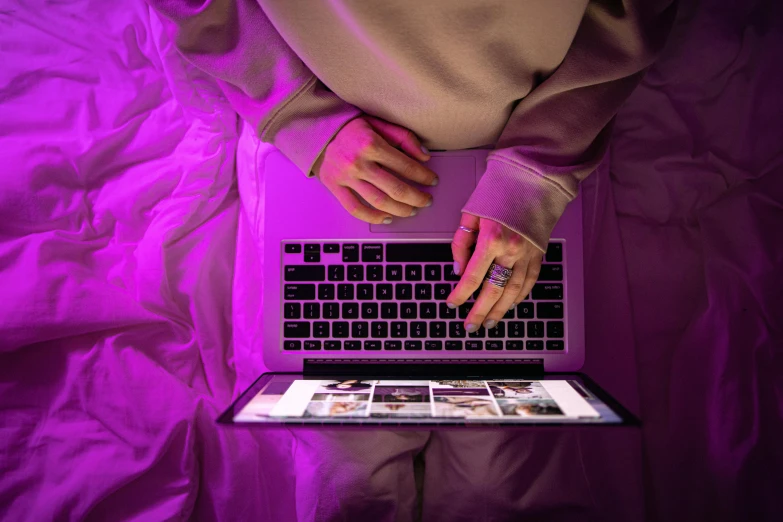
{"type": "Point", "coordinates": [522, 200]}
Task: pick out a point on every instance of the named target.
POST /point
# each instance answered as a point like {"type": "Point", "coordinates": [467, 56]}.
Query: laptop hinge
{"type": "Point", "coordinates": [462, 368]}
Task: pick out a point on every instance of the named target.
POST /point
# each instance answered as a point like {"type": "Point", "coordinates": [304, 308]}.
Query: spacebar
{"type": "Point", "coordinates": [418, 252]}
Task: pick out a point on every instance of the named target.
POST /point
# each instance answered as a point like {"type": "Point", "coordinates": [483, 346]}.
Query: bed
{"type": "Point", "coordinates": [130, 293]}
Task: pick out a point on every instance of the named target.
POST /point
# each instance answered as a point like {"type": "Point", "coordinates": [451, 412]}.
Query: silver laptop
{"type": "Point", "coordinates": [338, 290]}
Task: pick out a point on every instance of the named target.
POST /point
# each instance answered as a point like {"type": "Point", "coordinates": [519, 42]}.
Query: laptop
{"type": "Point", "coordinates": [357, 331]}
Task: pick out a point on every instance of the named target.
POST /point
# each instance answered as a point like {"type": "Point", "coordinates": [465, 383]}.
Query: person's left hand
{"type": "Point", "coordinates": [495, 243]}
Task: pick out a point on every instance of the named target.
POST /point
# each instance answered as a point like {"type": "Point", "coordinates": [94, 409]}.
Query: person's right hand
{"type": "Point", "coordinates": [361, 158]}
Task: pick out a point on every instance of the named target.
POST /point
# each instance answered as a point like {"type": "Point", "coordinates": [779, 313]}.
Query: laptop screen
{"type": "Point", "coordinates": [291, 399]}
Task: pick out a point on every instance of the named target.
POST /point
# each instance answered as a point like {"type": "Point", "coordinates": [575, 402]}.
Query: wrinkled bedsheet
{"type": "Point", "coordinates": [130, 290]}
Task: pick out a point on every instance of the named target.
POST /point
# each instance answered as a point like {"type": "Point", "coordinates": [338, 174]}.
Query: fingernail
{"type": "Point", "coordinates": [387, 221]}
{"type": "Point", "coordinates": [424, 150]}
{"type": "Point", "coordinates": [451, 305]}
{"type": "Point", "coordinates": [429, 203]}
{"type": "Point", "coordinates": [414, 212]}
{"type": "Point", "coordinates": [456, 268]}
{"type": "Point", "coordinates": [471, 328]}
{"type": "Point", "coordinates": [513, 306]}
{"type": "Point", "coordinates": [490, 324]}
{"type": "Point", "coordinates": [435, 182]}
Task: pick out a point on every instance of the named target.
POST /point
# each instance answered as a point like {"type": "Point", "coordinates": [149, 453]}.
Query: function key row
{"type": "Point", "coordinates": [426, 345]}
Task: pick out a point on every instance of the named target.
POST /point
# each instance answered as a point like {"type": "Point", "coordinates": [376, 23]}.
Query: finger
{"type": "Point", "coordinates": [379, 199]}
{"type": "Point", "coordinates": [400, 137]}
{"type": "Point", "coordinates": [396, 188]}
{"type": "Point", "coordinates": [474, 274]}
{"type": "Point", "coordinates": [400, 163]}
{"type": "Point", "coordinates": [463, 241]}
{"type": "Point", "coordinates": [487, 299]}
{"type": "Point", "coordinates": [356, 208]}
{"type": "Point", "coordinates": [531, 276]}
{"type": "Point", "coordinates": [510, 294]}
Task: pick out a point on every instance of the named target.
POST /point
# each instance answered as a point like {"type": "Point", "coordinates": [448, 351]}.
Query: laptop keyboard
{"type": "Point", "coordinates": [392, 296]}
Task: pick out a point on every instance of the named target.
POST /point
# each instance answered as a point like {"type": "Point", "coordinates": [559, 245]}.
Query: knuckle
{"type": "Point", "coordinates": [472, 282]}
{"type": "Point", "coordinates": [379, 200]}
{"type": "Point", "coordinates": [514, 287]}
{"type": "Point", "coordinates": [399, 190]}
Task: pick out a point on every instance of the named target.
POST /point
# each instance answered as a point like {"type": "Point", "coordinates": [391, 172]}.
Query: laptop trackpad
{"type": "Point", "coordinates": [458, 178]}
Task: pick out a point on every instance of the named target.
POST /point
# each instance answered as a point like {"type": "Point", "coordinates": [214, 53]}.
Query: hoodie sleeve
{"type": "Point", "coordinates": [263, 79]}
{"type": "Point", "coordinates": [557, 135]}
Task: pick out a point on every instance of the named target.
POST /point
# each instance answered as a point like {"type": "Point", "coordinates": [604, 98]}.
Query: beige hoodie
{"type": "Point", "coordinates": [540, 80]}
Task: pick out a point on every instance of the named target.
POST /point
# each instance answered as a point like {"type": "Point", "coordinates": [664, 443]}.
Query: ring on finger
{"type": "Point", "coordinates": [466, 229]}
{"type": "Point", "coordinates": [498, 275]}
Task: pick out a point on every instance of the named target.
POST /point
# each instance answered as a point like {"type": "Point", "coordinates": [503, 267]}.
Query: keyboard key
{"type": "Point", "coordinates": [399, 329]}
{"type": "Point", "coordinates": [372, 345]}
{"type": "Point", "coordinates": [525, 310]}
{"type": "Point", "coordinates": [312, 248]}
{"type": "Point", "coordinates": [551, 273]}
{"type": "Point", "coordinates": [388, 310]}
{"type": "Point", "coordinates": [535, 329]}
{"type": "Point", "coordinates": [353, 345]}
{"type": "Point", "coordinates": [464, 310]}
{"type": "Point", "coordinates": [454, 345]}
{"type": "Point", "coordinates": [442, 291]}
{"type": "Point", "coordinates": [336, 273]}
{"type": "Point", "coordinates": [298, 273]}
{"type": "Point", "coordinates": [413, 345]}
{"type": "Point", "coordinates": [326, 291]}
{"type": "Point", "coordinates": [369, 310]}
{"type": "Point", "coordinates": [515, 345]}
{"type": "Point", "coordinates": [554, 329]}
{"type": "Point", "coordinates": [474, 345]}
{"type": "Point", "coordinates": [320, 329]}
{"type": "Point", "coordinates": [296, 329]}
{"type": "Point", "coordinates": [498, 332]}
{"type": "Point", "coordinates": [364, 292]}
{"type": "Point", "coordinates": [372, 253]}
{"type": "Point", "coordinates": [384, 292]}
{"type": "Point", "coordinates": [555, 345]}
{"type": "Point", "coordinates": [516, 329]}
{"type": "Point", "coordinates": [292, 310]}
{"type": "Point", "coordinates": [438, 329]}
{"type": "Point", "coordinates": [408, 310]}
{"type": "Point", "coordinates": [433, 345]}
{"type": "Point", "coordinates": [418, 329]}
{"type": "Point", "coordinates": [292, 345]}
{"type": "Point", "coordinates": [344, 292]}
{"type": "Point", "coordinates": [341, 329]}
{"type": "Point", "coordinates": [299, 292]}
{"type": "Point", "coordinates": [457, 329]}
{"type": "Point", "coordinates": [478, 334]}
{"type": "Point", "coordinates": [375, 272]}
{"type": "Point", "coordinates": [432, 273]}
{"type": "Point", "coordinates": [413, 272]}
{"type": "Point", "coordinates": [403, 291]}
{"type": "Point", "coordinates": [394, 272]}
{"type": "Point", "coordinates": [554, 253]}
{"type": "Point", "coordinates": [333, 345]}
{"type": "Point", "coordinates": [355, 272]}
{"type": "Point", "coordinates": [312, 310]}
{"type": "Point", "coordinates": [331, 248]}
{"type": "Point", "coordinates": [293, 248]}
{"type": "Point", "coordinates": [494, 345]}
{"type": "Point", "coordinates": [534, 345]}
{"type": "Point", "coordinates": [428, 311]}
{"type": "Point", "coordinates": [418, 252]}
{"type": "Point", "coordinates": [331, 310]}
{"type": "Point", "coordinates": [350, 310]}
{"type": "Point", "coordinates": [350, 253]}
{"type": "Point", "coordinates": [447, 313]}
{"type": "Point", "coordinates": [449, 275]}
{"type": "Point", "coordinates": [312, 345]}
{"type": "Point", "coordinates": [424, 292]}
{"type": "Point", "coordinates": [312, 258]}
{"type": "Point", "coordinates": [379, 330]}
{"type": "Point", "coordinates": [548, 291]}
{"type": "Point", "coordinates": [392, 345]}
{"type": "Point", "coordinates": [549, 310]}
{"type": "Point", "coordinates": [360, 329]}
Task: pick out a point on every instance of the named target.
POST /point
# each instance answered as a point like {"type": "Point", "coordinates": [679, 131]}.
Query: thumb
{"type": "Point", "coordinates": [400, 137]}
{"type": "Point", "coordinates": [463, 241]}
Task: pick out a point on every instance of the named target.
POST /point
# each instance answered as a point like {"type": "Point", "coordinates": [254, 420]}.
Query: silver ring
{"type": "Point", "coordinates": [468, 230]}
{"type": "Point", "coordinates": [498, 275]}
